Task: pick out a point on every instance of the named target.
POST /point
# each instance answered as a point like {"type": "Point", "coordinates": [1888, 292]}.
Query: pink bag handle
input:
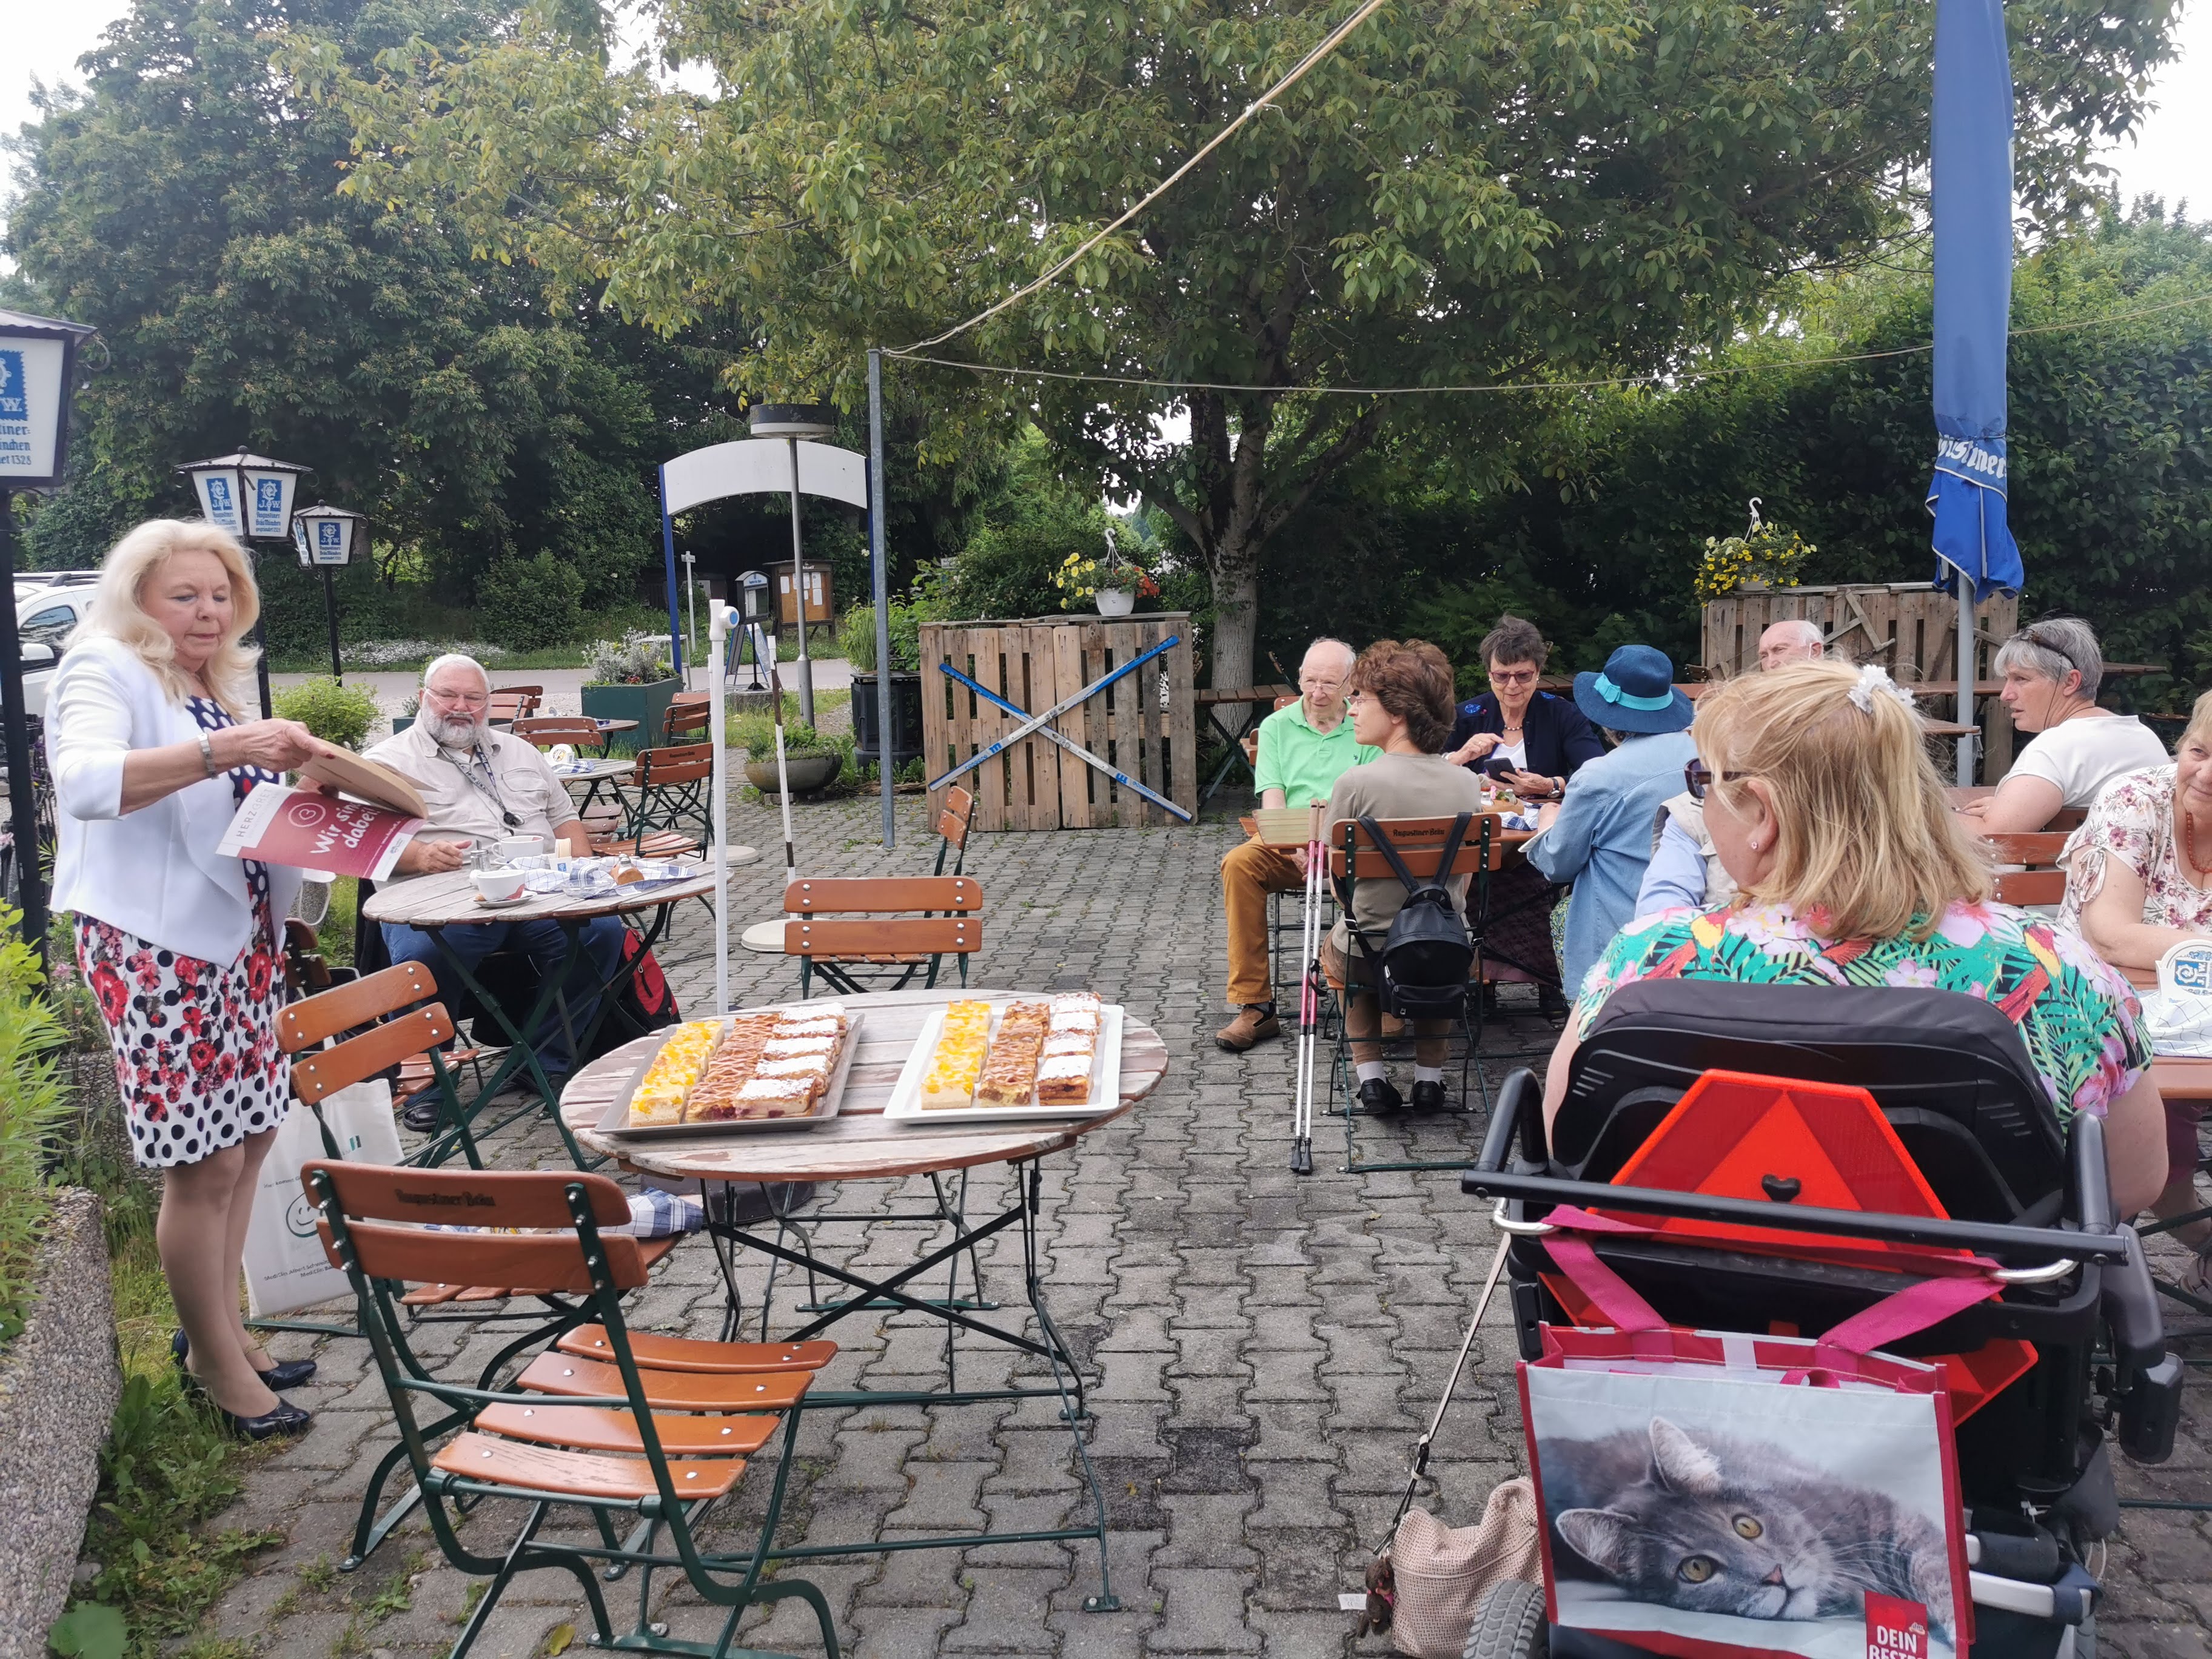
{"type": "Point", "coordinates": [1904, 1314]}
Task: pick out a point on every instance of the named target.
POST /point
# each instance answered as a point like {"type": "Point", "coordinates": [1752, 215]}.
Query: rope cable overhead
{"type": "Point", "coordinates": [1329, 43]}
{"type": "Point", "coordinates": [913, 354]}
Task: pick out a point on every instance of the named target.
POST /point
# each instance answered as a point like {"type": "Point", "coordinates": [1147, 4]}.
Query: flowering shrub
{"type": "Point", "coordinates": [1769, 553]}
{"type": "Point", "coordinates": [391, 653]}
{"type": "Point", "coordinates": [636, 658]}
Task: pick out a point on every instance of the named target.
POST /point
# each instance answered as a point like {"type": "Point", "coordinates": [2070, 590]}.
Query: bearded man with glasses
{"type": "Point", "coordinates": [484, 787]}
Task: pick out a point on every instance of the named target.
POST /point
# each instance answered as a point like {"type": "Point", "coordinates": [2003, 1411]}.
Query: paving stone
{"type": "Point", "coordinates": [1261, 1349]}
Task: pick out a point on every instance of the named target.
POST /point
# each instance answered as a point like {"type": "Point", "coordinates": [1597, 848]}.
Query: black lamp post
{"type": "Point", "coordinates": [38, 367]}
{"type": "Point", "coordinates": [324, 537]}
{"type": "Point", "coordinates": [793, 421]}
{"type": "Point", "coordinates": [759, 615]}
{"type": "Point", "coordinates": [250, 496]}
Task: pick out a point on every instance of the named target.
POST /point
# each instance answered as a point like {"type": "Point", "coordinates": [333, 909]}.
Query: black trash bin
{"type": "Point", "coordinates": [906, 718]}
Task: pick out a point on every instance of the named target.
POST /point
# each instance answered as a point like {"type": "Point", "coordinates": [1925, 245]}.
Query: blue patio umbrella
{"type": "Point", "coordinates": [1972, 214]}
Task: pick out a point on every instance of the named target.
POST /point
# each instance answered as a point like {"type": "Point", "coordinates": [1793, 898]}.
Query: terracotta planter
{"type": "Point", "coordinates": [808, 773]}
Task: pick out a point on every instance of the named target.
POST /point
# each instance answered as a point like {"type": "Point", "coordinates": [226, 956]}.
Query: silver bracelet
{"type": "Point", "coordinates": [207, 754]}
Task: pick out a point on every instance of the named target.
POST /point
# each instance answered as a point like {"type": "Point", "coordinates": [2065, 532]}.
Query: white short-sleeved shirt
{"type": "Point", "coordinates": [521, 781]}
{"type": "Point", "coordinates": [2079, 757]}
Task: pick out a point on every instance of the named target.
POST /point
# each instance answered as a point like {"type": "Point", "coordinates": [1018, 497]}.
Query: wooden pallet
{"type": "Point", "coordinates": [1909, 628]}
{"type": "Point", "coordinates": [1141, 729]}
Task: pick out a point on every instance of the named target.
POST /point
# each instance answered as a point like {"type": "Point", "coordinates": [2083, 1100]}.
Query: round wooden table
{"type": "Point", "coordinates": [432, 903]}
{"type": "Point", "coordinates": [859, 1144]}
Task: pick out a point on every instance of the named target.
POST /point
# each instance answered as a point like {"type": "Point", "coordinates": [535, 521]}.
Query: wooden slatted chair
{"type": "Point", "coordinates": [954, 819]}
{"type": "Point", "coordinates": [885, 950]}
{"type": "Point", "coordinates": [671, 804]}
{"type": "Point", "coordinates": [1420, 842]}
{"type": "Point", "coordinates": [685, 718]}
{"type": "Point", "coordinates": [513, 702]}
{"type": "Point", "coordinates": [2040, 879]}
{"type": "Point", "coordinates": [658, 1428]}
{"type": "Point", "coordinates": [546, 730]}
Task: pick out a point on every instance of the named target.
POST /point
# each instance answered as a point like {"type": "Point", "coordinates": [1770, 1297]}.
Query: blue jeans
{"type": "Point", "coordinates": [543, 943]}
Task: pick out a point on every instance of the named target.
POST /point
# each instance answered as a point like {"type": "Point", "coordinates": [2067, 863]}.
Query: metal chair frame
{"type": "Point", "coordinates": [600, 1273]}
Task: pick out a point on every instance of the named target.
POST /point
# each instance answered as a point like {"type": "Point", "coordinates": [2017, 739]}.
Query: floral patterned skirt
{"type": "Point", "coordinates": [196, 1053]}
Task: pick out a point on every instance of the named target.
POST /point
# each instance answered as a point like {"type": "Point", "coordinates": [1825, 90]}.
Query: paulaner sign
{"type": "Point", "coordinates": [31, 379]}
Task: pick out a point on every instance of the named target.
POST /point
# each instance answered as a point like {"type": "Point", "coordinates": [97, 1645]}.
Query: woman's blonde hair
{"type": "Point", "coordinates": [1866, 835]}
{"type": "Point", "coordinates": [119, 609]}
{"type": "Point", "coordinates": [2199, 729]}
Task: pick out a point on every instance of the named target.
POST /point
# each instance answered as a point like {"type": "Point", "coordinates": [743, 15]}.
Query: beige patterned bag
{"type": "Point", "coordinates": [1442, 1573]}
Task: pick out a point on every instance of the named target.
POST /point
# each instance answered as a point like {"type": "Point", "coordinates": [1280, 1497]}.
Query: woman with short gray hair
{"type": "Point", "coordinates": [2051, 670]}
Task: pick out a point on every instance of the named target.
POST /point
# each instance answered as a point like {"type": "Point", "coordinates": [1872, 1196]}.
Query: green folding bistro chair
{"type": "Point", "coordinates": [655, 1428]}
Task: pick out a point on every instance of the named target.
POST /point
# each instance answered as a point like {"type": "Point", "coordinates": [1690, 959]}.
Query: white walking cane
{"type": "Point", "coordinates": [1309, 999]}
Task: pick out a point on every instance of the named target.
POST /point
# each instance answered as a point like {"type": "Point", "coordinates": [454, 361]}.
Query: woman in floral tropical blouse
{"type": "Point", "coordinates": [1852, 870]}
{"type": "Point", "coordinates": [2136, 875]}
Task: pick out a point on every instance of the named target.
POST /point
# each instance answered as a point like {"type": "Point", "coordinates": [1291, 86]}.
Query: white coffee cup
{"type": "Point", "coordinates": [498, 886]}
{"type": "Point", "coordinates": [522, 846]}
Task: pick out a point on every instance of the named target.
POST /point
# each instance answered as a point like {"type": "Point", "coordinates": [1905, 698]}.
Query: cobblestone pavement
{"type": "Point", "coordinates": [1267, 1347]}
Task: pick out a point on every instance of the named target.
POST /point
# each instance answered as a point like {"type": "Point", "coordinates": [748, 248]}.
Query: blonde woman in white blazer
{"type": "Point", "coordinates": [181, 946]}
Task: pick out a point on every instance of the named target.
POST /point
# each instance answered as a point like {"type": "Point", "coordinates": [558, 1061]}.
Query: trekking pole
{"type": "Point", "coordinates": [1309, 1001]}
{"type": "Point", "coordinates": [1419, 1469]}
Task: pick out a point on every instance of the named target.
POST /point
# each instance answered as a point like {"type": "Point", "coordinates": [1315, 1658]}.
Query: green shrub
{"type": "Point", "coordinates": [34, 1113]}
{"type": "Point", "coordinates": [639, 657]}
{"type": "Point", "coordinates": [528, 604]}
{"type": "Point", "coordinates": [856, 632]}
{"type": "Point", "coordinates": [756, 735]}
{"type": "Point", "coordinates": [342, 714]}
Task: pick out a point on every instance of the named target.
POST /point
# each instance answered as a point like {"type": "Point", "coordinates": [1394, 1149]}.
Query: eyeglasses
{"type": "Point", "coordinates": [1320, 682]}
{"type": "Point", "coordinates": [1513, 676]}
{"type": "Point", "coordinates": [1700, 778]}
{"type": "Point", "coordinates": [465, 699]}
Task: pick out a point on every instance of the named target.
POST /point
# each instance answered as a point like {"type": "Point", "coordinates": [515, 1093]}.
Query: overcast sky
{"type": "Point", "coordinates": [43, 41]}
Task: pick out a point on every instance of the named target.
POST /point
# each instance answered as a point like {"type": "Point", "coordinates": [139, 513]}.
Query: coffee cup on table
{"type": "Point", "coordinates": [498, 886]}
{"type": "Point", "coordinates": [520, 846]}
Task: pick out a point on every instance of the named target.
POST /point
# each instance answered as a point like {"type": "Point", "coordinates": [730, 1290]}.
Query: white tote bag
{"type": "Point", "coordinates": [285, 1267]}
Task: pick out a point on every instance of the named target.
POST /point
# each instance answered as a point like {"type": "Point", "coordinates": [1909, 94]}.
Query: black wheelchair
{"type": "Point", "coordinates": [1953, 1078]}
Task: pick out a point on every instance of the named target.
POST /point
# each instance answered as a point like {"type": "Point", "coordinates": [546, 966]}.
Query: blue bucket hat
{"type": "Point", "coordinates": [1635, 692]}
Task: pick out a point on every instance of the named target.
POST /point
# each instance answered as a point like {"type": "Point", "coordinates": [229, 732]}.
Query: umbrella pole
{"type": "Point", "coordinates": [718, 629]}
{"type": "Point", "coordinates": [1967, 677]}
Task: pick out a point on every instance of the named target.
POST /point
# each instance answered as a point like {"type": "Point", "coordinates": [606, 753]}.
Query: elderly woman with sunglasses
{"type": "Point", "coordinates": [2051, 671]}
{"type": "Point", "coordinates": [1851, 869]}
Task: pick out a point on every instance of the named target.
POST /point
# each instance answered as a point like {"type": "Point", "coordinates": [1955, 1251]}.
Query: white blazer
{"type": "Point", "coordinates": [155, 872]}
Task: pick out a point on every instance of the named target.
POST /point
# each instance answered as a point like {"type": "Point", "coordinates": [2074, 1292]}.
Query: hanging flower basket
{"type": "Point", "coordinates": [1766, 555]}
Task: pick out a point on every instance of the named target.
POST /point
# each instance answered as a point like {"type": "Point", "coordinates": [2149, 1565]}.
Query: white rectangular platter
{"type": "Point", "coordinates": [905, 1103]}
{"type": "Point", "coordinates": [616, 1121]}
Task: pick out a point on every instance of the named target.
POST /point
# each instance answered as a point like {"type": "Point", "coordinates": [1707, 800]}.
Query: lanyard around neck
{"type": "Point", "coordinates": [481, 778]}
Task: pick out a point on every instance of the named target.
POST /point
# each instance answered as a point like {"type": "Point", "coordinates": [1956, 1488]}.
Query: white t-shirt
{"type": "Point", "coordinates": [2079, 757]}
{"type": "Point", "coordinates": [1515, 752]}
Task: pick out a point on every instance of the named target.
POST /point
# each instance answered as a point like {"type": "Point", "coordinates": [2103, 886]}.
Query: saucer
{"type": "Point", "coordinates": [522, 897]}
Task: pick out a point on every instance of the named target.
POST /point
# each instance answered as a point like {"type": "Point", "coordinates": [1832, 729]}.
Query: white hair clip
{"type": "Point", "coordinates": [1872, 679]}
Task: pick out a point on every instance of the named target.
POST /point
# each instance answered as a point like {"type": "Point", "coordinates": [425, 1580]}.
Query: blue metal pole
{"type": "Point", "coordinates": [878, 560]}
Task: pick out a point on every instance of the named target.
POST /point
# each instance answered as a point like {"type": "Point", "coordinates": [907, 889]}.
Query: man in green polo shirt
{"type": "Point", "coordinates": [1304, 749]}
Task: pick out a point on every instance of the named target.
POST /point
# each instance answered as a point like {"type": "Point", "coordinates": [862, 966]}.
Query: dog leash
{"type": "Point", "coordinates": [1418, 1471]}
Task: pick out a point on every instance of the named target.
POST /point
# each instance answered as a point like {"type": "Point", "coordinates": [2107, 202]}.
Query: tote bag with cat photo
{"type": "Point", "coordinates": [1710, 1493]}
{"type": "Point", "coordinates": [286, 1268]}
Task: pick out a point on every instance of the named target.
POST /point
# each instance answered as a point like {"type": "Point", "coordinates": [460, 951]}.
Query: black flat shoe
{"type": "Point", "coordinates": [1428, 1096]}
{"type": "Point", "coordinates": [286, 1419]}
{"type": "Point", "coordinates": [420, 1114]}
{"type": "Point", "coordinates": [1377, 1095]}
{"type": "Point", "coordinates": [284, 1373]}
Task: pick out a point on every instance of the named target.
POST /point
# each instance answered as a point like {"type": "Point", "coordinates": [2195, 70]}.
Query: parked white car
{"type": "Point", "coordinates": [43, 619]}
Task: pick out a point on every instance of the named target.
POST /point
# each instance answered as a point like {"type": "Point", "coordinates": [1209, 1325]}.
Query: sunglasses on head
{"type": "Point", "coordinates": [1701, 777]}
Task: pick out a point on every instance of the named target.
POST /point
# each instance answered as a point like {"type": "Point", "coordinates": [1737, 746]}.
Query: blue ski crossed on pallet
{"type": "Point", "coordinates": [1033, 723]}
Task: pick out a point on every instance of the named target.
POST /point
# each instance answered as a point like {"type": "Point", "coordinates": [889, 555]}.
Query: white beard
{"type": "Point", "coordinates": [456, 730]}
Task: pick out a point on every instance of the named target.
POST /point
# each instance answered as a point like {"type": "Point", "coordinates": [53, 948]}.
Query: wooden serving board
{"type": "Point", "coordinates": [616, 1121]}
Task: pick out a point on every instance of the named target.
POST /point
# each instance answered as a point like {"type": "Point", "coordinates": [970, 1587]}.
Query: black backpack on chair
{"type": "Point", "coordinates": [1427, 955]}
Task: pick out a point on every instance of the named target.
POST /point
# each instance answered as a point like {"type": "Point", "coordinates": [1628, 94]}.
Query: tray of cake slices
{"type": "Point", "coordinates": [977, 1061]}
{"type": "Point", "coordinates": [777, 1069]}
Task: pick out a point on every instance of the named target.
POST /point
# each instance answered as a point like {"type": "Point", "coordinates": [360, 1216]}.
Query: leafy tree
{"type": "Point", "coordinates": [188, 206]}
{"type": "Point", "coordinates": [2111, 491]}
{"type": "Point", "coordinates": [1464, 194]}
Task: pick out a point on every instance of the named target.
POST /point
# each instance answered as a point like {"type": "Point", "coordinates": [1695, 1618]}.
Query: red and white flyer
{"type": "Point", "coordinates": [309, 830]}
